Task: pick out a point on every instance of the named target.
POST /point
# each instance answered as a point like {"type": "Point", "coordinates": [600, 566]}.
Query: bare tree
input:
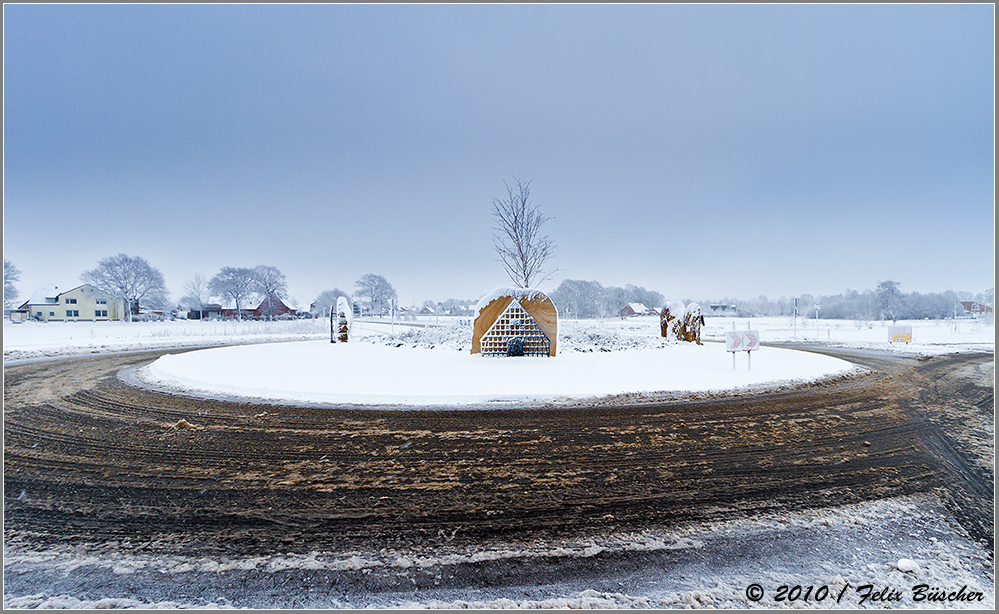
{"type": "Point", "coordinates": [889, 299]}
{"type": "Point", "coordinates": [130, 279]}
{"type": "Point", "coordinates": [377, 290]}
{"type": "Point", "coordinates": [10, 274]}
{"type": "Point", "coordinates": [197, 294]}
{"type": "Point", "coordinates": [324, 303]}
{"type": "Point", "coordinates": [235, 284]}
{"type": "Point", "coordinates": [271, 284]}
{"type": "Point", "coordinates": [522, 248]}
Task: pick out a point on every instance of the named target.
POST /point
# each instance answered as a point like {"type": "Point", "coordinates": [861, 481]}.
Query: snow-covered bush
{"type": "Point", "coordinates": [571, 338]}
{"type": "Point", "coordinates": [456, 336]}
{"type": "Point", "coordinates": [584, 339]}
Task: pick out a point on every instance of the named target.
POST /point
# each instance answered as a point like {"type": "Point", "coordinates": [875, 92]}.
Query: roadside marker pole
{"type": "Point", "coordinates": [794, 318]}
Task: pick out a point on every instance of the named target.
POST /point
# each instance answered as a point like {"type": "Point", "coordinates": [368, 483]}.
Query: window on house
{"type": "Point", "coordinates": [51, 314]}
{"type": "Point", "coordinates": [71, 301]}
{"type": "Point", "coordinates": [101, 313]}
{"type": "Point", "coordinates": [38, 314]}
{"type": "Point", "coordinates": [72, 313]}
{"type": "Point", "coordinates": [102, 301]}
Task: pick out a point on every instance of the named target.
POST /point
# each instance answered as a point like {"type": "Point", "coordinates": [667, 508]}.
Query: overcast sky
{"type": "Point", "coordinates": [704, 152]}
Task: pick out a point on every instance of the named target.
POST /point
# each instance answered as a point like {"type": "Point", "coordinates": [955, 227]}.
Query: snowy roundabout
{"type": "Point", "coordinates": [117, 495]}
{"type": "Point", "coordinates": [318, 372]}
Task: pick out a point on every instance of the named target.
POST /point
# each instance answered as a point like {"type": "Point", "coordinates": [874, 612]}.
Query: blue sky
{"type": "Point", "coordinates": [701, 151]}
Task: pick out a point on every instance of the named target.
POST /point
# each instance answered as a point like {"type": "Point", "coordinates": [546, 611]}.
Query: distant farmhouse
{"type": "Point", "coordinates": [635, 309]}
{"type": "Point", "coordinates": [81, 303]}
{"type": "Point", "coordinates": [211, 311]}
{"type": "Point", "coordinates": [977, 308]}
{"type": "Point", "coordinates": [719, 308]}
{"type": "Point", "coordinates": [274, 308]}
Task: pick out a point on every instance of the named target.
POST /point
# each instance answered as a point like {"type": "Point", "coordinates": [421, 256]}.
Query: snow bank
{"type": "Point", "coordinates": [370, 374]}
{"type": "Point", "coordinates": [32, 340]}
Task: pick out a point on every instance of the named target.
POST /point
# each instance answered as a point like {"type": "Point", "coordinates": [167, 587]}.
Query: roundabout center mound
{"type": "Point", "coordinates": [318, 372]}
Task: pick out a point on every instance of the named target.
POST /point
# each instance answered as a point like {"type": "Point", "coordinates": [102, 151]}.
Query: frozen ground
{"type": "Point", "coordinates": [883, 548]}
{"type": "Point", "coordinates": [891, 545]}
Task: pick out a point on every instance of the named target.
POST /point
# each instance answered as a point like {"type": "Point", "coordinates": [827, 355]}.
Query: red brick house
{"type": "Point", "coordinates": [976, 308]}
{"type": "Point", "coordinates": [273, 307]}
{"type": "Point", "coordinates": [634, 309]}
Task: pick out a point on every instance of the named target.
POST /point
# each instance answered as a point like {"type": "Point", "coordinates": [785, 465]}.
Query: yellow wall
{"type": "Point", "coordinates": [82, 303]}
{"type": "Point", "coordinates": [44, 311]}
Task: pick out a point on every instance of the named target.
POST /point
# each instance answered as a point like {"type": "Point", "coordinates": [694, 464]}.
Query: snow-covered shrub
{"type": "Point", "coordinates": [571, 338]}
{"type": "Point", "coordinates": [585, 339]}
{"type": "Point", "coordinates": [455, 336]}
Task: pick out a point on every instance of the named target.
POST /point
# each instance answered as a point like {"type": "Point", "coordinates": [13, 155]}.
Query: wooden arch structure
{"type": "Point", "coordinates": [508, 313]}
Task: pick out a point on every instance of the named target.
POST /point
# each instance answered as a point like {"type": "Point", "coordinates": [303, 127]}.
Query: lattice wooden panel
{"type": "Point", "coordinates": [515, 322]}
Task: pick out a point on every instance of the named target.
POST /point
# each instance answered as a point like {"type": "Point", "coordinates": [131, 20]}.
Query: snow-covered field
{"type": "Point", "coordinates": [28, 340]}
{"type": "Point", "coordinates": [37, 340]}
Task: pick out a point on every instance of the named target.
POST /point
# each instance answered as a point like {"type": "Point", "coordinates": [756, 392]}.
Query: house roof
{"type": "Point", "coordinates": [46, 295]}
{"type": "Point", "coordinates": [275, 300]}
{"type": "Point", "coordinates": [76, 288]}
{"type": "Point", "coordinates": [638, 307]}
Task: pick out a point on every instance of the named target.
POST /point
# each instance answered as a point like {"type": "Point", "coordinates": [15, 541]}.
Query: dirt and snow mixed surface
{"type": "Point", "coordinates": [886, 549]}
{"type": "Point", "coordinates": [872, 555]}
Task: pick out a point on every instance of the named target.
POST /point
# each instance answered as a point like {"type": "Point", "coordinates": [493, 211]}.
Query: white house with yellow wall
{"type": "Point", "coordinates": [81, 303]}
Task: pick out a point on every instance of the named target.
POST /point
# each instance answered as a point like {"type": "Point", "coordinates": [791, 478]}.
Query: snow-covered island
{"type": "Point", "coordinates": [429, 363]}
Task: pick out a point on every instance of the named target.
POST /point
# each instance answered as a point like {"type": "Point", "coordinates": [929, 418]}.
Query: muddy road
{"type": "Point", "coordinates": [88, 458]}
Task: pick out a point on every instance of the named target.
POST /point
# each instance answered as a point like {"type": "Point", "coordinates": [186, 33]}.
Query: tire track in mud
{"type": "Point", "coordinates": [88, 458]}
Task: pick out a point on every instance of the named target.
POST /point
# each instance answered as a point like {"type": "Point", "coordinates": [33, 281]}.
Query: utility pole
{"type": "Point", "coordinates": [795, 318]}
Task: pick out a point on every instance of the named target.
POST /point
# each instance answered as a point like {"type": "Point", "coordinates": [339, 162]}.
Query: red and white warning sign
{"type": "Point", "coordinates": [733, 341]}
{"type": "Point", "coordinates": [742, 340]}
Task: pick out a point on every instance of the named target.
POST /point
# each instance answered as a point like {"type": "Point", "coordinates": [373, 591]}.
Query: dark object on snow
{"type": "Point", "coordinates": [340, 321]}
{"type": "Point", "coordinates": [515, 347]}
{"type": "Point", "coordinates": [342, 328]}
